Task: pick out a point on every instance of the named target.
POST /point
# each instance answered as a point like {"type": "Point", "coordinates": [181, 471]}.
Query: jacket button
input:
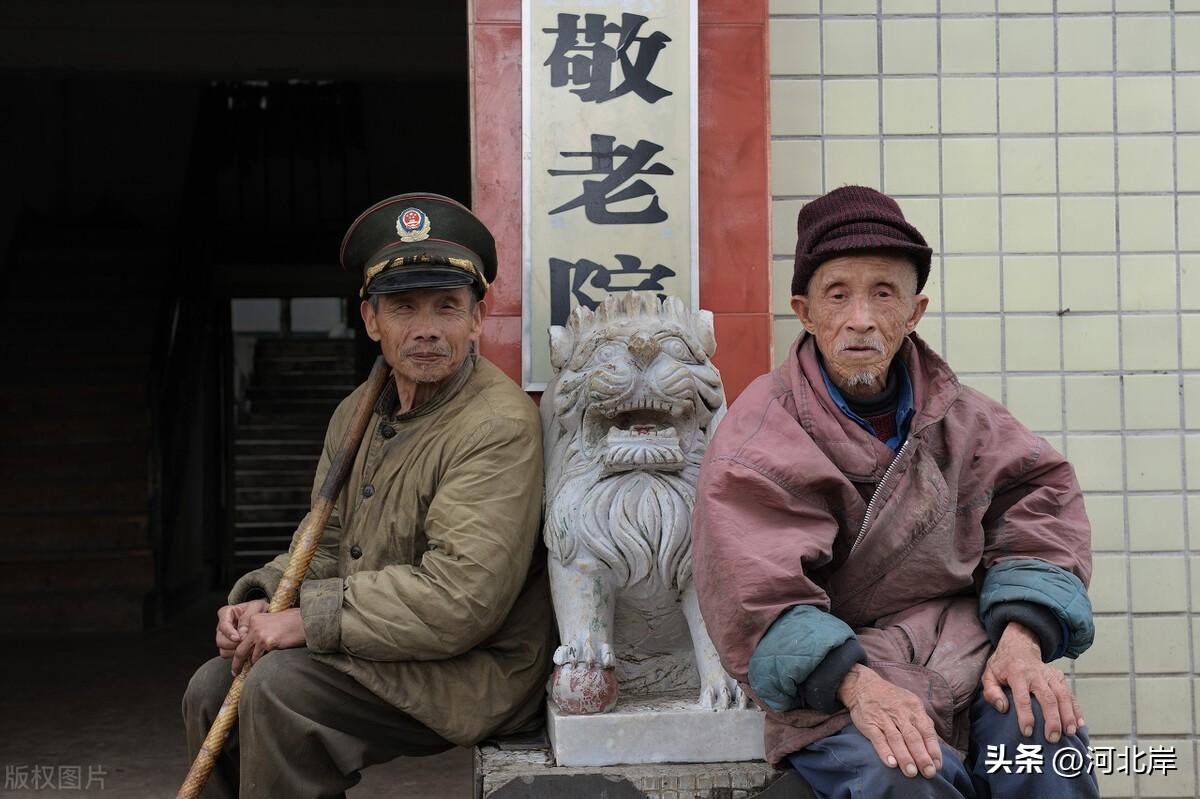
{"type": "Point", "coordinates": [387, 431]}
{"type": "Point", "coordinates": [368, 490]}
{"type": "Point", "coordinates": [356, 552]}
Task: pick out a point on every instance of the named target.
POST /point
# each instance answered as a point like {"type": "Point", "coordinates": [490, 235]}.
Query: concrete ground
{"type": "Point", "coordinates": [111, 704]}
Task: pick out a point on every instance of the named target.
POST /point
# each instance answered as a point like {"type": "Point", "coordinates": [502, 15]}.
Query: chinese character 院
{"type": "Point", "coordinates": [591, 63]}
{"type": "Point", "coordinates": [569, 279]}
{"type": "Point", "coordinates": [599, 194]}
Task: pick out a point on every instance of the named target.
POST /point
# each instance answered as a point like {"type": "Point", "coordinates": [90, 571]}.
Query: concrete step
{"type": "Point", "coordinates": [269, 527]}
{"type": "Point", "coordinates": [259, 447]}
{"type": "Point", "coordinates": [64, 356]}
{"type": "Point", "coordinates": [102, 570]}
{"type": "Point", "coordinates": [272, 478]}
{"type": "Point", "coordinates": [306, 419]}
{"type": "Point", "coordinates": [273, 494]}
{"type": "Point", "coordinates": [292, 346]}
{"type": "Point", "coordinates": [114, 495]}
{"type": "Point", "coordinates": [312, 390]}
{"type": "Point", "coordinates": [81, 428]}
{"type": "Point", "coordinates": [286, 463]}
{"type": "Point", "coordinates": [94, 369]}
{"type": "Point", "coordinates": [61, 458]}
{"type": "Point", "coordinates": [333, 378]}
{"type": "Point", "coordinates": [72, 532]}
{"type": "Point", "coordinates": [290, 514]}
{"type": "Point", "coordinates": [309, 363]}
{"type": "Point", "coordinates": [251, 558]}
{"type": "Point", "coordinates": [73, 612]}
{"type": "Point", "coordinates": [291, 407]}
{"type": "Point", "coordinates": [73, 398]}
{"type": "Point", "coordinates": [104, 318]}
{"type": "Point", "coordinates": [280, 432]}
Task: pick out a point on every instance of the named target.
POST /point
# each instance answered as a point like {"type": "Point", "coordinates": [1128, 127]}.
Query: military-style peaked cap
{"type": "Point", "coordinates": [419, 241]}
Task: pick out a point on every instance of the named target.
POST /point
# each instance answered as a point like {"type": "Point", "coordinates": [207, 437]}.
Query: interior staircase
{"type": "Point", "coordinates": [77, 323]}
{"type": "Point", "coordinates": [296, 385]}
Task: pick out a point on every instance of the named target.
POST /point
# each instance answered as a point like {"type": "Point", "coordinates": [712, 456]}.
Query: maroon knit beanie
{"type": "Point", "coordinates": [854, 218]}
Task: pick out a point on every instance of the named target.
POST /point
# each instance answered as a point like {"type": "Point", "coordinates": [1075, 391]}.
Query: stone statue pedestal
{"type": "Point", "coordinates": [655, 729]}
{"type": "Point", "coordinates": [524, 768]}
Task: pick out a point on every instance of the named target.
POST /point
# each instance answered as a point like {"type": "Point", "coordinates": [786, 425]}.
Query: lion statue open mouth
{"type": "Point", "coordinates": [626, 418]}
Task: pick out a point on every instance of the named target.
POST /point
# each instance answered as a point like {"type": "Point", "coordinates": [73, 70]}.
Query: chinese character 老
{"type": "Point", "coordinates": [591, 63]}
{"type": "Point", "coordinates": [599, 194]}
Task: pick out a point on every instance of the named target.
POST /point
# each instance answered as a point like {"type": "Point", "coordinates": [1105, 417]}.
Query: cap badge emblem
{"type": "Point", "coordinates": [412, 225]}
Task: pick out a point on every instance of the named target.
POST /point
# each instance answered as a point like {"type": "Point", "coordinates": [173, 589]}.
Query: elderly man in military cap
{"type": "Point", "coordinates": [425, 620]}
{"type": "Point", "coordinates": [886, 559]}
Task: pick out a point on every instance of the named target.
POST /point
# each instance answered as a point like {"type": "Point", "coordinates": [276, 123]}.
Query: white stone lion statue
{"type": "Point", "coordinates": [626, 419]}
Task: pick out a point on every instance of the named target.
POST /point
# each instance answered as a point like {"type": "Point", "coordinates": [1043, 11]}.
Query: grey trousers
{"type": "Point", "coordinates": [304, 729]}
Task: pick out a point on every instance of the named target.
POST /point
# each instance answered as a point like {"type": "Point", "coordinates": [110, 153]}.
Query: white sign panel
{"type": "Point", "coordinates": [610, 187]}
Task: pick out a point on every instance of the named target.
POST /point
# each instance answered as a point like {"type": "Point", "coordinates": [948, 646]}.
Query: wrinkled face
{"type": "Point", "coordinates": [859, 308]}
{"type": "Point", "coordinates": [425, 334]}
{"type": "Point", "coordinates": [640, 394]}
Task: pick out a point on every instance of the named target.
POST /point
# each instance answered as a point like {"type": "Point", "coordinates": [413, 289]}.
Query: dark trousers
{"type": "Point", "coordinates": [845, 766]}
{"type": "Point", "coordinates": [304, 729]}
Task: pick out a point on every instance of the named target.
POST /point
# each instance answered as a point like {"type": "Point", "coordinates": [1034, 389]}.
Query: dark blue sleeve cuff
{"type": "Point", "coordinates": [1052, 633]}
{"type": "Point", "coordinates": [820, 689]}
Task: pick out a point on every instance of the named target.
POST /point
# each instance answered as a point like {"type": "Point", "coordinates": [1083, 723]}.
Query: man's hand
{"type": "Point", "coordinates": [267, 632]}
{"type": "Point", "coordinates": [1017, 663]}
{"type": "Point", "coordinates": [893, 720]}
{"type": "Point", "coordinates": [232, 621]}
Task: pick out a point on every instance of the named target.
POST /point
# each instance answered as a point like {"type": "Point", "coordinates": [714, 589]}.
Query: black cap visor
{"type": "Point", "coordinates": [434, 270]}
{"type": "Point", "coordinates": [419, 276]}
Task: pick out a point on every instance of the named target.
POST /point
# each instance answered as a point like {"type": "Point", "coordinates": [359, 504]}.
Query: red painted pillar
{"type": "Point", "coordinates": [494, 27]}
{"type": "Point", "coordinates": [735, 201]}
{"type": "Point", "coordinates": [734, 219]}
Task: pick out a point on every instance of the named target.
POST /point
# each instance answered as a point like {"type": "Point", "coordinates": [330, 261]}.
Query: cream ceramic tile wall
{"type": "Point", "coordinates": [1050, 151]}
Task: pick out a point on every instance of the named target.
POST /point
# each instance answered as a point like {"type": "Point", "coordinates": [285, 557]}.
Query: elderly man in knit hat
{"type": "Point", "coordinates": [425, 619]}
{"type": "Point", "coordinates": [887, 559]}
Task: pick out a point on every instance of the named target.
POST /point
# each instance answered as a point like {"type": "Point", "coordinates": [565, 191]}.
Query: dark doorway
{"type": "Point", "coordinates": [293, 361]}
{"type": "Point", "coordinates": [158, 166]}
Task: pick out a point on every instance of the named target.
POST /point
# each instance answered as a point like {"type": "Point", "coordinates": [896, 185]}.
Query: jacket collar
{"type": "Point", "coordinates": [386, 407]}
{"type": "Point", "coordinates": [903, 398]}
{"type": "Point", "coordinates": [855, 452]}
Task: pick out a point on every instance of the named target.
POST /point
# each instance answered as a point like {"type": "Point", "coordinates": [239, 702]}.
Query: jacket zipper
{"type": "Point", "coordinates": [862, 531]}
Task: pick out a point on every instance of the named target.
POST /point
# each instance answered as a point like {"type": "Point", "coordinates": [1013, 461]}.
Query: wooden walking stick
{"type": "Point", "coordinates": [308, 536]}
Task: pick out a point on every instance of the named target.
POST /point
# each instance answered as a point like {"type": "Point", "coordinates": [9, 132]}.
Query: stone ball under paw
{"type": "Point", "coordinates": [580, 690]}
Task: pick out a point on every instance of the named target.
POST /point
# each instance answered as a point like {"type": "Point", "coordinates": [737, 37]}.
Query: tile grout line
{"type": "Point", "coordinates": [821, 78]}
{"type": "Point", "coordinates": [1000, 216]}
{"type": "Point", "coordinates": [1094, 13]}
{"type": "Point", "coordinates": [1058, 258]}
{"type": "Point", "coordinates": [879, 89]}
{"type": "Point", "coordinates": [1181, 403]}
{"type": "Point", "coordinates": [945, 330]}
{"type": "Point", "coordinates": [1128, 562]}
{"type": "Point", "coordinates": [1077, 73]}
